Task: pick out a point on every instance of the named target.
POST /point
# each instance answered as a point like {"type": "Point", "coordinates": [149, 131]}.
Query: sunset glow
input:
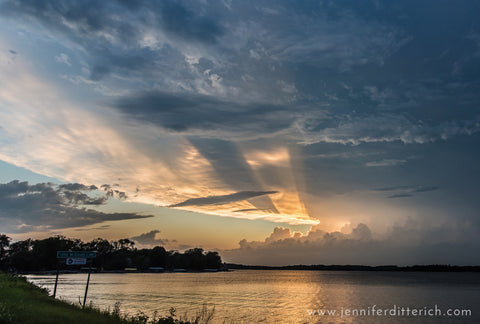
{"type": "Point", "coordinates": [263, 131]}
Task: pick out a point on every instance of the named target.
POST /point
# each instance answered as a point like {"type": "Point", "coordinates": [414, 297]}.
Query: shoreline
{"type": "Point", "coordinates": [37, 306]}
{"type": "Point", "coordinates": [233, 267]}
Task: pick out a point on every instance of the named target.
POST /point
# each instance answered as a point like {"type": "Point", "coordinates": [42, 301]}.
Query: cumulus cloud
{"type": "Point", "coordinates": [402, 245]}
{"type": "Point", "coordinates": [46, 206]}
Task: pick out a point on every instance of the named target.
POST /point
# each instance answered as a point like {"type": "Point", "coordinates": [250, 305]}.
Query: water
{"type": "Point", "coordinates": [276, 296]}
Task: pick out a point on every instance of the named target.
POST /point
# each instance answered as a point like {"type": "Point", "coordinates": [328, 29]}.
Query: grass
{"type": "Point", "coordinates": [23, 302]}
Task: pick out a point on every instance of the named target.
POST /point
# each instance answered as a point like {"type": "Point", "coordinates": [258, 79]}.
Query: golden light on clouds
{"type": "Point", "coordinates": [78, 145]}
{"type": "Point", "coordinates": [275, 157]}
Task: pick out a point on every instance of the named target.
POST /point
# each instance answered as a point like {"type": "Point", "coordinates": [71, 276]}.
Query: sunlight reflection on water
{"type": "Point", "coordinates": [269, 296]}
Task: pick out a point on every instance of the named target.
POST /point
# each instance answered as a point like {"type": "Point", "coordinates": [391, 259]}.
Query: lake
{"type": "Point", "coordinates": [283, 296]}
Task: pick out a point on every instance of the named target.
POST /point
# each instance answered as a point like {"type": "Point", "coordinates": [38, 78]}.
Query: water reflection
{"type": "Point", "coordinates": [250, 296]}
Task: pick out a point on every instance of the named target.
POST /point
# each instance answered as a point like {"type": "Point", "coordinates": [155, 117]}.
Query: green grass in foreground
{"type": "Point", "coordinates": [23, 302]}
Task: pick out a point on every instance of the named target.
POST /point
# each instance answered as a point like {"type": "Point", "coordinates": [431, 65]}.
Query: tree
{"type": "Point", "coordinates": [20, 255]}
{"type": "Point", "coordinates": [213, 260]}
{"type": "Point", "coordinates": [196, 259]}
{"type": "Point", "coordinates": [158, 257]}
{"type": "Point", "coordinates": [4, 244]}
{"type": "Point", "coordinates": [126, 244]}
{"type": "Point", "coordinates": [104, 249]}
{"type": "Point", "coordinates": [45, 251]}
{"type": "Point", "coordinates": [34, 255]}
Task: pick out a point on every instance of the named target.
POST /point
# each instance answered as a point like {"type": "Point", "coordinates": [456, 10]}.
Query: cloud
{"type": "Point", "coordinates": [46, 206]}
{"type": "Point", "coordinates": [224, 199]}
{"type": "Point", "coordinates": [109, 192]}
{"type": "Point", "coordinates": [227, 159]}
{"type": "Point", "coordinates": [63, 58]}
{"type": "Point", "coordinates": [199, 86]}
{"type": "Point", "coordinates": [76, 187]}
{"type": "Point", "coordinates": [88, 147]}
{"type": "Point", "coordinates": [385, 163]}
{"type": "Point", "coordinates": [389, 128]}
{"type": "Point", "coordinates": [214, 71]}
{"type": "Point", "coordinates": [185, 23]}
{"type": "Point", "coordinates": [425, 188]}
{"type": "Point", "coordinates": [209, 116]}
{"type": "Point", "coordinates": [111, 32]}
{"type": "Point", "coordinates": [406, 191]}
{"type": "Point", "coordinates": [149, 238]}
{"type": "Point", "coordinates": [187, 113]}
{"type": "Point", "coordinates": [248, 210]}
{"type": "Point", "coordinates": [402, 245]}
{"type": "Point", "coordinates": [73, 18]}
{"type": "Point", "coordinates": [401, 195]}
{"type": "Point", "coordinates": [102, 227]}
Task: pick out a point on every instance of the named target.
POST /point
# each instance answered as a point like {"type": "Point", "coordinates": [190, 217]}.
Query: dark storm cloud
{"type": "Point", "coordinates": [367, 76]}
{"type": "Point", "coordinates": [108, 61]}
{"type": "Point", "coordinates": [224, 199]}
{"type": "Point", "coordinates": [109, 31]}
{"type": "Point", "coordinates": [47, 206]}
{"type": "Point", "coordinates": [213, 117]}
{"type": "Point", "coordinates": [179, 20]}
{"type": "Point", "coordinates": [77, 19]}
{"type": "Point", "coordinates": [94, 26]}
{"type": "Point", "coordinates": [182, 112]}
{"type": "Point", "coordinates": [323, 71]}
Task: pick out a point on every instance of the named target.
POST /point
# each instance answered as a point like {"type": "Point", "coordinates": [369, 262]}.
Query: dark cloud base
{"type": "Point", "coordinates": [46, 206]}
{"type": "Point", "coordinates": [222, 200]}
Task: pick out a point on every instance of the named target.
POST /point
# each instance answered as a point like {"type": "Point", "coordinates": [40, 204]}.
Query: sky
{"type": "Point", "coordinates": [275, 132]}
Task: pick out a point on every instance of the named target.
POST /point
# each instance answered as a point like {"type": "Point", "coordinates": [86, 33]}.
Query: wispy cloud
{"type": "Point", "coordinates": [389, 128]}
{"type": "Point", "coordinates": [406, 191]}
{"type": "Point", "coordinates": [385, 163]}
{"type": "Point", "coordinates": [63, 58]}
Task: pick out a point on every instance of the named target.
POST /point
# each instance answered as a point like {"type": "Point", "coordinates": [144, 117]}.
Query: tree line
{"type": "Point", "coordinates": [40, 255]}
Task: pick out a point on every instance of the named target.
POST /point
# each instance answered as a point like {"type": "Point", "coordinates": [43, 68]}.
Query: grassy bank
{"type": "Point", "coordinates": [23, 302]}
